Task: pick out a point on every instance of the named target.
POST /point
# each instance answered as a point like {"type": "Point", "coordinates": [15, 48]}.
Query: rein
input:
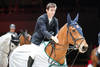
{"type": "Point", "coordinates": [75, 58]}
{"type": "Point", "coordinates": [9, 52]}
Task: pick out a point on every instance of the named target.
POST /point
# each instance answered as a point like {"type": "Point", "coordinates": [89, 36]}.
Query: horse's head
{"type": "Point", "coordinates": [76, 35]}
{"type": "Point", "coordinates": [24, 38]}
{"type": "Point", "coordinates": [14, 41]}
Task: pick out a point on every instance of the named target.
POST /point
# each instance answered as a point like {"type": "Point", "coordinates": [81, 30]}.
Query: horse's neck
{"type": "Point", "coordinates": [59, 52]}
{"type": "Point", "coordinates": [62, 35]}
{"type": "Point", "coordinates": [4, 45]}
{"type": "Point", "coordinates": [24, 41]}
{"type": "Point", "coordinates": [27, 42]}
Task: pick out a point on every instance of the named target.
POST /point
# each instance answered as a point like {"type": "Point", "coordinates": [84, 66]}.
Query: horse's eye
{"type": "Point", "coordinates": [73, 30]}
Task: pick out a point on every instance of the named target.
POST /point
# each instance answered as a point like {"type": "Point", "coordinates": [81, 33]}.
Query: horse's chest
{"type": "Point", "coordinates": [43, 60]}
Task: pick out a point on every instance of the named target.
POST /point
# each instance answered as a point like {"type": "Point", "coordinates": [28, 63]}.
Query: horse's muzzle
{"type": "Point", "coordinates": [84, 48]}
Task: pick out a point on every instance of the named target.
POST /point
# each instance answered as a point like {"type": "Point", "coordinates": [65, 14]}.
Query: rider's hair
{"type": "Point", "coordinates": [51, 5]}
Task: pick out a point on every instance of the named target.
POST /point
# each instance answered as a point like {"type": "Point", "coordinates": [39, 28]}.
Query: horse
{"type": "Point", "coordinates": [24, 50]}
{"type": "Point", "coordinates": [7, 45]}
{"type": "Point", "coordinates": [24, 38]}
{"type": "Point", "coordinates": [51, 54]}
{"type": "Point", "coordinates": [95, 57]}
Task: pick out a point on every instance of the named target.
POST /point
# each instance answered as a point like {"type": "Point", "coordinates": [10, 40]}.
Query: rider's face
{"type": "Point", "coordinates": [12, 30]}
{"type": "Point", "coordinates": [51, 12]}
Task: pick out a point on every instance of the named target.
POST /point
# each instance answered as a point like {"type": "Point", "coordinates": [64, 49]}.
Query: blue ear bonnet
{"type": "Point", "coordinates": [74, 23]}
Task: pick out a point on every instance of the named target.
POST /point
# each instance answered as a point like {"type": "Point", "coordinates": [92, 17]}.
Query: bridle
{"type": "Point", "coordinates": [75, 40]}
{"type": "Point", "coordinates": [15, 42]}
{"type": "Point", "coordinates": [12, 41]}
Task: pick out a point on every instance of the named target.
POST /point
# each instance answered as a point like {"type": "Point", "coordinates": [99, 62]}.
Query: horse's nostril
{"type": "Point", "coordinates": [84, 48]}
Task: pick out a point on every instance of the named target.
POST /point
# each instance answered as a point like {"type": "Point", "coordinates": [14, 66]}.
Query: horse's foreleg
{"type": "Point", "coordinates": [94, 64]}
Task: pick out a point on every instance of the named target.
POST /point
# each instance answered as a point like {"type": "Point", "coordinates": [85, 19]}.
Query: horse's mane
{"type": "Point", "coordinates": [5, 41]}
{"type": "Point", "coordinates": [61, 34]}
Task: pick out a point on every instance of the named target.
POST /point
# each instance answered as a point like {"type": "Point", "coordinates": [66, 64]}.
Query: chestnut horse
{"type": "Point", "coordinates": [24, 38]}
{"type": "Point", "coordinates": [50, 53]}
{"type": "Point", "coordinates": [70, 33]}
{"type": "Point", "coordinates": [95, 57]}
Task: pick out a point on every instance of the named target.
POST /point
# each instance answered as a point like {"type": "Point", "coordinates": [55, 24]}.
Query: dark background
{"type": "Point", "coordinates": [24, 14]}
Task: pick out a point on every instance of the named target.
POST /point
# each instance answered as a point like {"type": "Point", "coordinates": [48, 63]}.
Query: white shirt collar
{"type": "Point", "coordinates": [50, 19]}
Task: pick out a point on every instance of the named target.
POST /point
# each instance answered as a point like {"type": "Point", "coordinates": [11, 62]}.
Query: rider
{"type": "Point", "coordinates": [8, 34]}
{"type": "Point", "coordinates": [12, 29]}
{"type": "Point", "coordinates": [47, 26]}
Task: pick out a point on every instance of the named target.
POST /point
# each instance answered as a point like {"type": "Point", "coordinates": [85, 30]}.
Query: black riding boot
{"type": "Point", "coordinates": [30, 61]}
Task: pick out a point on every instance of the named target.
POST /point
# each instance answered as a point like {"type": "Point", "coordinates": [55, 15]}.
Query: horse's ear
{"type": "Point", "coordinates": [76, 18]}
{"type": "Point", "coordinates": [68, 19]}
